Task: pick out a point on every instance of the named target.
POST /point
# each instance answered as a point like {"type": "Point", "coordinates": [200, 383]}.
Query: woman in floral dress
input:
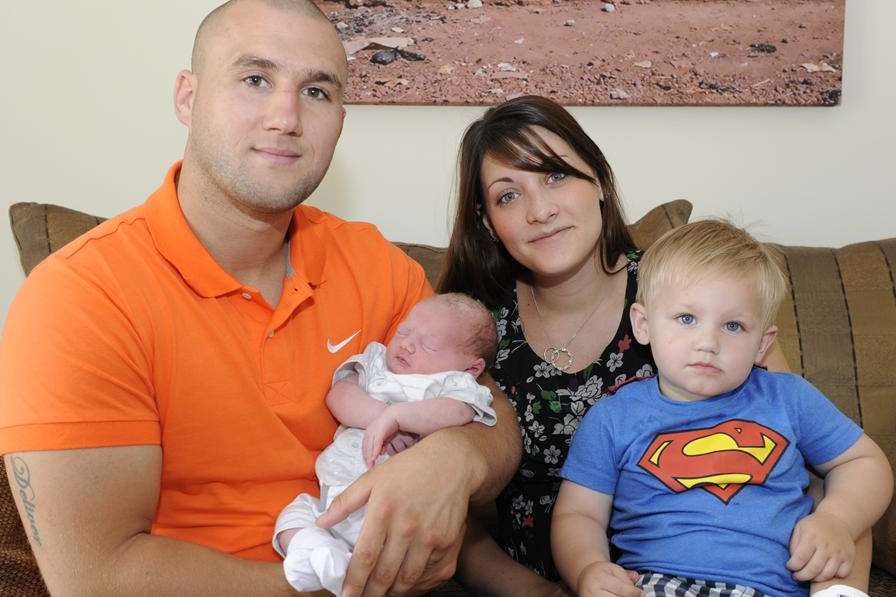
{"type": "Point", "coordinates": [540, 238]}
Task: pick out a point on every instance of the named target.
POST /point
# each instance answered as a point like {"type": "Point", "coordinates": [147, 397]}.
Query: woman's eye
{"type": "Point", "coordinates": [555, 177]}
{"type": "Point", "coordinates": [507, 197]}
{"type": "Point", "coordinates": [686, 319]}
{"type": "Point", "coordinates": [733, 326]}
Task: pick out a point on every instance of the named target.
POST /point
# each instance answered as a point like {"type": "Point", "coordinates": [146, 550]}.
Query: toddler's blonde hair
{"type": "Point", "coordinates": [712, 247]}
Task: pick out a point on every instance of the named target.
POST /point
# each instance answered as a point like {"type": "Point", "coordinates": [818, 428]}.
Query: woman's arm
{"type": "Point", "coordinates": [486, 570]}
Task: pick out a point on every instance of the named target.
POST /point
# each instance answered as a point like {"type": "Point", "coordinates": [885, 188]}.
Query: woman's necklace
{"type": "Point", "coordinates": [559, 356]}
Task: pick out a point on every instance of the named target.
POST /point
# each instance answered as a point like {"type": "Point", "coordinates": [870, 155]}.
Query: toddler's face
{"type": "Point", "coordinates": [429, 340]}
{"type": "Point", "coordinates": [705, 335]}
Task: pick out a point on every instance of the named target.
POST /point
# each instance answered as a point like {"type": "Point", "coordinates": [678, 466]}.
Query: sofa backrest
{"type": "Point", "coordinates": [837, 329]}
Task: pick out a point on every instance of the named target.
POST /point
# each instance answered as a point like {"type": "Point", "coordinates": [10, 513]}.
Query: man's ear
{"type": "Point", "coordinates": [638, 315]}
{"type": "Point", "coordinates": [768, 338]}
{"type": "Point", "coordinates": [476, 368]}
{"type": "Point", "coordinates": [184, 94]}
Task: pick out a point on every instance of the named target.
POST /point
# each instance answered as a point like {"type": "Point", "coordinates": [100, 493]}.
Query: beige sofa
{"type": "Point", "coordinates": [838, 329]}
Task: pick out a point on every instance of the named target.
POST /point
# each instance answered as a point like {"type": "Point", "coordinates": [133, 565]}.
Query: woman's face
{"type": "Point", "coordinates": [550, 223]}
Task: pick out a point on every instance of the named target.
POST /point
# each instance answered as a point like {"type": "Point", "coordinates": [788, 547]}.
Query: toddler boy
{"type": "Point", "coordinates": [700, 472]}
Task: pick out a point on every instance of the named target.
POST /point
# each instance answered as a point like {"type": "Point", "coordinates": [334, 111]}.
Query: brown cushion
{"type": "Point", "coordinates": [838, 330]}
{"type": "Point", "coordinates": [838, 327]}
{"type": "Point", "coordinates": [41, 228]}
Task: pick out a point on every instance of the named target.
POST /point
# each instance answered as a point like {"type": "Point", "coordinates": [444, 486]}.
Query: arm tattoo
{"type": "Point", "coordinates": [22, 474]}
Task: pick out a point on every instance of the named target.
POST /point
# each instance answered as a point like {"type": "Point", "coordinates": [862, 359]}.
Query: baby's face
{"type": "Point", "coordinates": [705, 335]}
{"type": "Point", "coordinates": [429, 340]}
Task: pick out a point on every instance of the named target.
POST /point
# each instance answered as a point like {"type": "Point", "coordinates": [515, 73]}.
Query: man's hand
{"type": "Point", "coordinates": [603, 579]}
{"type": "Point", "coordinates": [378, 433]}
{"type": "Point", "coordinates": [821, 547]}
{"type": "Point", "coordinates": [415, 520]}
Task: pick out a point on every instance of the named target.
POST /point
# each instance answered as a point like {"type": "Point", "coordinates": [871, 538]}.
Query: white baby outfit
{"type": "Point", "coordinates": [318, 558]}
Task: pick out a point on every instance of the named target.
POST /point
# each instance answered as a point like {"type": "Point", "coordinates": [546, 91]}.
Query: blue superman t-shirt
{"type": "Point", "coordinates": [710, 489]}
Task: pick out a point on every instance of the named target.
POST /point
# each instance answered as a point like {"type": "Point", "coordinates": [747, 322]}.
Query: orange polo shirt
{"type": "Point", "coordinates": [133, 334]}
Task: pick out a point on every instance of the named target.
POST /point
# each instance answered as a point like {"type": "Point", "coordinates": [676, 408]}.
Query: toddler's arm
{"type": "Point", "coordinates": [579, 544]}
{"type": "Point", "coordinates": [857, 489]}
{"type": "Point", "coordinates": [420, 418]}
{"type": "Point", "coordinates": [351, 405]}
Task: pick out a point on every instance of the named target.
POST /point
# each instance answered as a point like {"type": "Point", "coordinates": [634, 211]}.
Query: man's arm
{"type": "Point", "coordinates": [417, 503]}
{"type": "Point", "coordinates": [88, 514]}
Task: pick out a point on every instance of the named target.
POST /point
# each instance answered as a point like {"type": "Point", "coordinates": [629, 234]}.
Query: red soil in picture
{"type": "Point", "coordinates": [589, 52]}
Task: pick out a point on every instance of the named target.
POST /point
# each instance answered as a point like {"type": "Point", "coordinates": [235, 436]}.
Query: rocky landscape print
{"type": "Point", "coordinates": [590, 52]}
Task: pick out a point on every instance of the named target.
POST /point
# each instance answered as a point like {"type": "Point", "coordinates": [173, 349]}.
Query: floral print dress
{"type": "Point", "coordinates": [549, 406]}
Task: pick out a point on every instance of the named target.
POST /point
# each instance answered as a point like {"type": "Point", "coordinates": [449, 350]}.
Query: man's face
{"type": "Point", "coordinates": [429, 340]}
{"type": "Point", "coordinates": [267, 106]}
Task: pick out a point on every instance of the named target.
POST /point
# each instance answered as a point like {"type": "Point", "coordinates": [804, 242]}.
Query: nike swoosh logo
{"type": "Point", "coordinates": [334, 348]}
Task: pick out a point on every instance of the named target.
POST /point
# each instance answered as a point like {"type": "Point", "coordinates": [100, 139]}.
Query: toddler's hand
{"type": "Point", "coordinates": [602, 579]}
{"type": "Point", "coordinates": [400, 442]}
{"type": "Point", "coordinates": [820, 548]}
{"type": "Point", "coordinates": [378, 432]}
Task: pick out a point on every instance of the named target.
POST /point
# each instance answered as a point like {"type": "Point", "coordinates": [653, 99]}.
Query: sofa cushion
{"type": "Point", "coordinates": [41, 228]}
{"type": "Point", "coordinates": [838, 330]}
{"type": "Point", "coordinates": [838, 326]}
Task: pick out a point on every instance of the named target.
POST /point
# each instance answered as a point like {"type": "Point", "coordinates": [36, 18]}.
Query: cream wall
{"type": "Point", "coordinates": [87, 122]}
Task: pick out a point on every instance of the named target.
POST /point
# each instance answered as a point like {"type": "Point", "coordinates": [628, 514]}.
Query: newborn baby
{"type": "Point", "coordinates": [385, 399]}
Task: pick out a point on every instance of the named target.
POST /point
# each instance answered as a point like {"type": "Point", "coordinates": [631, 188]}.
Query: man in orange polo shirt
{"type": "Point", "coordinates": [163, 376]}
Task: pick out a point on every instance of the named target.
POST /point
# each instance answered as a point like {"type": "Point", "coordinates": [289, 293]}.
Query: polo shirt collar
{"type": "Point", "coordinates": [178, 244]}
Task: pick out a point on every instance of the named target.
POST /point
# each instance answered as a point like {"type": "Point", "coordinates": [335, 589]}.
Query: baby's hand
{"type": "Point", "coordinates": [378, 432]}
{"type": "Point", "coordinates": [602, 579]}
{"type": "Point", "coordinates": [820, 548]}
{"type": "Point", "coordinates": [400, 442]}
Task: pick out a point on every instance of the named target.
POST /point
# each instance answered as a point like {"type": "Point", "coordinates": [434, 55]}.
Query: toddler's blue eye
{"type": "Point", "coordinates": [686, 319]}
{"type": "Point", "coordinates": [733, 326]}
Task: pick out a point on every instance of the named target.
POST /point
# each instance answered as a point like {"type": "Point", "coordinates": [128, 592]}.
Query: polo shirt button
{"type": "Point", "coordinates": [270, 334]}
{"type": "Point", "coordinates": [247, 296]}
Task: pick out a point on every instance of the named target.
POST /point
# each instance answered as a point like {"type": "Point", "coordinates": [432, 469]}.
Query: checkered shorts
{"type": "Point", "coordinates": [664, 585]}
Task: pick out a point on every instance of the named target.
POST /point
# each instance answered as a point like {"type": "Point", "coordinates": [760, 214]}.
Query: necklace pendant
{"type": "Point", "coordinates": [559, 357]}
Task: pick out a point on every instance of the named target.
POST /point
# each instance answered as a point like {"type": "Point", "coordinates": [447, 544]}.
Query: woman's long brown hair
{"type": "Point", "coordinates": [477, 265]}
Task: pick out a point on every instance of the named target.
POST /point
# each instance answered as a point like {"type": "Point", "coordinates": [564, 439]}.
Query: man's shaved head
{"type": "Point", "coordinates": [210, 23]}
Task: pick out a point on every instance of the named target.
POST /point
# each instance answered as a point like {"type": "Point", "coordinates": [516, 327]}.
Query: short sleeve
{"type": "Point", "coordinates": [592, 460]}
{"type": "Point", "coordinates": [463, 387]}
{"type": "Point", "coordinates": [824, 432]}
{"type": "Point", "coordinates": [75, 371]}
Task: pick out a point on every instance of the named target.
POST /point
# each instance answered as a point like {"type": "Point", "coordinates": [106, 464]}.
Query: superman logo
{"type": "Point", "coordinates": [720, 459]}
